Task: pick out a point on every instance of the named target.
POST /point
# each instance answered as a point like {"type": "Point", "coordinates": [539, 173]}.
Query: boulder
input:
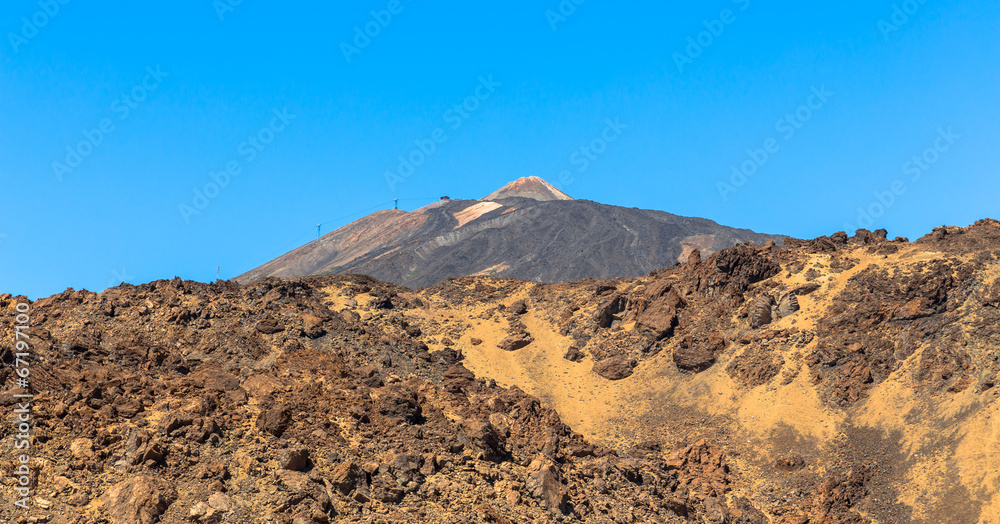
{"type": "Point", "coordinates": [543, 484]}
{"type": "Point", "coordinates": [312, 326]}
{"type": "Point", "coordinates": [294, 459]}
{"type": "Point", "coordinates": [346, 476]}
{"type": "Point", "coordinates": [268, 326]}
{"type": "Point", "coordinates": [573, 354]}
{"type": "Point", "coordinates": [519, 307]}
{"type": "Point", "coordinates": [275, 420]}
{"type": "Point", "coordinates": [788, 304]}
{"type": "Point", "coordinates": [203, 513]}
{"type": "Point", "coordinates": [82, 448]}
{"type": "Point", "coordinates": [607, 308]}
{"type": "Point", "coordinates": [659, 319]}
{"type": "Point", "coordinates": [479, 436]}
{"type": "Point", "coordinates": [760, 311]}
{"type": "Point", "coordinates": [350, 317]}
{"type": "Point", "coordinates": [515, 341]}
{"type": "Point", "coordinates": [138, 500]}
{"type": "Point", "coordinates": [398, 404]}
{"type": "Point", "coordinates": [615, 368]}
{"type": "Point", "coordinates": [695, 355]}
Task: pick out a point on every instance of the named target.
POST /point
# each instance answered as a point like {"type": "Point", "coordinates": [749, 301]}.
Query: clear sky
{"type": "Point", "coordinates": [115, 118]}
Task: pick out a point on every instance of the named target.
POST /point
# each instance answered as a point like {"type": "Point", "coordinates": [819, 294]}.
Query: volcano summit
{"type": "Point", "coordinates": [527, 229]}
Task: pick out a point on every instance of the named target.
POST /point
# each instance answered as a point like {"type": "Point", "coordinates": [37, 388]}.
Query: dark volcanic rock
{"type": "Point", "coordinates": [515, 341]}
{"type": "Point", "coordinates": [695, 353]}
{"type": "Point", "coordinates": [518, 307]}
{"type": "Point", "coordinates": [615, 368]}
{"type": "Point", "coordinates": [275, 420]}
{"type": "Point", "coordinates": [694, 359]}
{"type": "Point", "coordinates": [607, 308]}
{"type": "Point", "coordinates": [269, 326]}
{"type": "Point", "coordinates": [294, 459]}
{"type": "Point", "coordinates": [573, 354]}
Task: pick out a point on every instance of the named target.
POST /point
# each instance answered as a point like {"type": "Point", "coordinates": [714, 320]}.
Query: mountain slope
{"type": "Point", "coordinates": [181, 402]}
{"type": "Point", "coordinates": [527, 230]}
{"type": "Point", "coordinates": [849, 379]}
{"type": "Point", "coordinates": [845, 379]}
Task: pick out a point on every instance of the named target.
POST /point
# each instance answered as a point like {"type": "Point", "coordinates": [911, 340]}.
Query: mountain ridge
{"type": "Point", "coordinates": [532, 231]}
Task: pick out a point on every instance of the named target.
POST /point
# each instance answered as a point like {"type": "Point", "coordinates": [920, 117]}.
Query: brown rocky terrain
{"type": "Point", "coordinates": [845, 379]}
{"type": "Point", "coordinates": [527, 230]}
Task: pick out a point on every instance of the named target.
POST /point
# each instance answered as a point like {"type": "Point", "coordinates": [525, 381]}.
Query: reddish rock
{"type": "Point", "coordinates": [138, 500]}
{"type": "Point", "coordinates": [312, 326]}
{"type": "Point", "coordinates": [457, 378]}
{"type": "Point", "coordinates": [696, 354]}
{"type": "Point", "coordinates": [659, 319]}
{"type": "Point", "coordinates": [515, 342]}
{"type": "Point", "coordinates": [346, 476]}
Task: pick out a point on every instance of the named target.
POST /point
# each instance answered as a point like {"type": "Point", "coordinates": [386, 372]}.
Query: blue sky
{"type": "Point", "coordinates": [113, 119]}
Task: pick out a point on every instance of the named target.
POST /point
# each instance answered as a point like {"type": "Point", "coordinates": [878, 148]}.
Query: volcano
{"type": "Point", "coordinates": [527, 230]}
